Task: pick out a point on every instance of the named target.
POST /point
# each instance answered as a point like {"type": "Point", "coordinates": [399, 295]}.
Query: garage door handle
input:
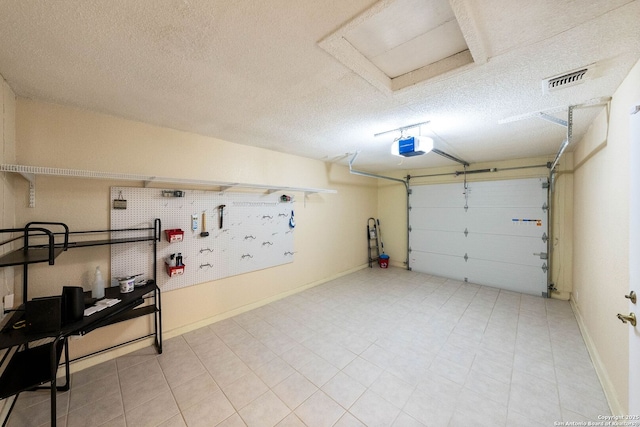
{"type": "Point", "coordinates": [542, 255]}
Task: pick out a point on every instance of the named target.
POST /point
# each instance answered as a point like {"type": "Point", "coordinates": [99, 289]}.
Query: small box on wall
{"type": "Point", "coordinates": [174, 270]}
{"type": "Point", "coordinates": [174, 235]}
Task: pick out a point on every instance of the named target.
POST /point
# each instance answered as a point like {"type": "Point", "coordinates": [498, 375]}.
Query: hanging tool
{"type": "Point", "coordinates": [292, 222]}
{"type": "Point", "coordinates": [204, 232]}
{"type": "Point", "coordinates": [372, 239]}
{"type": "Point", "coordinates": [379, 230]}
{"type": "Point", "coordinates": [120, 202]}
{"type": "Point", "coordinates": [221, 213]}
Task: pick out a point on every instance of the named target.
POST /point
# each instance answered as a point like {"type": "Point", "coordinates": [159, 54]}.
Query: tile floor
{"type": "Point", "coordinates": [375, 348]}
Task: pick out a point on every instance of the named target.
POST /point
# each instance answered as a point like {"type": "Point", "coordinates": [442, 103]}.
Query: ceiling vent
{"type": "Point", "coordinates": [568, 79]}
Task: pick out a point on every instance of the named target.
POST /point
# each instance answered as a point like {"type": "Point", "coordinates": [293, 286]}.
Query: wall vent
{"type": "Point", "coordinates": [568, 79]}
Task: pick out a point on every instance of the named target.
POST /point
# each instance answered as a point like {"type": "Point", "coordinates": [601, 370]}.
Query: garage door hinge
{"type": "Point", "coordinates": [542, 255]}
{"type": "Point", "coordinates": [544, 267]}
{"type": "Point", "coordinates": [409, 191]}
{"type": "Point", "coordinates": [545, 206]}
{"type": "Point", "coordinates": [466, 257]}
{"type": "Point", "coordinates": [410, 230]}
{"type": "Point", "coordinates": [545, 184]}
{"type": "Point", "coordinates": [466, 232]}
{"type": "Point", "coordinates": [410, 207]}
{"type": "Point", "coordinates": [544, 237]}
{"type": "Point", "coordinates": [410, 249]}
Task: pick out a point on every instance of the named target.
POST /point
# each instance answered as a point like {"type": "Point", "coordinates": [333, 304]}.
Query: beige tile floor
{"type": "Point", "coordinates": [375, 348]}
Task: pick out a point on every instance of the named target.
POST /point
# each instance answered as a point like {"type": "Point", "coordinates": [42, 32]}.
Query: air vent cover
{"type": "Point", "coordinates": [570, 78]}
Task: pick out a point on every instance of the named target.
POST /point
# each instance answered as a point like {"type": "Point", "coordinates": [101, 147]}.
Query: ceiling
{"type": "Point", "coordinates": [319, 79]}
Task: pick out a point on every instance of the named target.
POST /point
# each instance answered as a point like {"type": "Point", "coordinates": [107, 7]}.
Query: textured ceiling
{"type": "Point", "coordinates": [277, 75]}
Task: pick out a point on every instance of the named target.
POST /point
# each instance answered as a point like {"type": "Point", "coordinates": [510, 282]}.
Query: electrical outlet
{"type": "Point", "coordinates": [8, 302]}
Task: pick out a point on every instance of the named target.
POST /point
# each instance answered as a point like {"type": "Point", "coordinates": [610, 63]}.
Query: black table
{"type": "Point", "coordinates": [27, 367]}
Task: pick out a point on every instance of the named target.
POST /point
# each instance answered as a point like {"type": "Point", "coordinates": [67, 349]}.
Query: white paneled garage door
{"type": "Point", "coordinates": [498, 240]}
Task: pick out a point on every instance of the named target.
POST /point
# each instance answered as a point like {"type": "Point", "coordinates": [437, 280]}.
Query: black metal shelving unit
{"type": "Point", "coordinates": [26, 367]}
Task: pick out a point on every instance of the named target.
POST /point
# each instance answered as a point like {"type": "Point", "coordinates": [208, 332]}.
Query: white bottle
{"type": "Point", "coordinates": [97, 290]}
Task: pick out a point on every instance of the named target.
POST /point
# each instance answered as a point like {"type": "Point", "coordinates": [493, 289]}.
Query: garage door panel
{"type": "Point", "coordinates": [508, 249]}
{"type": "Point", "coordinates": [446, 219]}
{"type": "Point", "coordinates": [512, 221]}
{"type": "Point", "coordinates": [529, 279]}
{"type": "Point", "coordinates": [451, 267]}
{"type": "Point", "coordinates": [437, 196]}
{"type": "Point", "coordinates": [510, 193]}
{"type": "Point", "coordinates": [441, 242]}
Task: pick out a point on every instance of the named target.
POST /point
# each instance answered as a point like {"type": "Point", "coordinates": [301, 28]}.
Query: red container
{"type": "Point", "coordinates": [383, 261]}
{"type": "Point", "coordinates": [175, 270]}
{"type": "Point", "coordinates": [174, 235]}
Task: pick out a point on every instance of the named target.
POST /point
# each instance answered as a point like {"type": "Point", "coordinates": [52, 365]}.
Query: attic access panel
{"type": "Point", "coordinates": [491, 243]}
{"type": "Point", "coordinates": [396, 44]}
{"type": "Point", "coordinates": [408, 35]}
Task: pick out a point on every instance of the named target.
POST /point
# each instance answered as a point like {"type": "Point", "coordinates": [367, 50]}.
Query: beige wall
{"type": "Point", "coordinates": [601, 224]}
{"type": "Point", "coordinates": [392, 213]}
{"type": "Point", "coordinates": [7, 155]}
{"type": "Point", "coordinates": [562, 229]}
{"type": "Point", "coordinates": [393, 201]}
{"type": "Point", "coordinates": [329, 236]}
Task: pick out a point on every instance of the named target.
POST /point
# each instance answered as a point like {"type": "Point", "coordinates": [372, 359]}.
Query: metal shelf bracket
{"type": "Point", "coordinates": [31, 177]}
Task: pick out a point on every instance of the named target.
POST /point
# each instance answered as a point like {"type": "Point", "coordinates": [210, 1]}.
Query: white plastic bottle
{"type": "Point", "coordinates": [97, 290]}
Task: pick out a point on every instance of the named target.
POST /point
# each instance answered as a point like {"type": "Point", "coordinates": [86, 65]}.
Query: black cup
{"type": "Point", "coordinates": [73, 303]}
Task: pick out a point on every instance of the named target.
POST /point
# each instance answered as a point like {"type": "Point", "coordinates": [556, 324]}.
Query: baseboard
{"type": "Point", "coordinates": [561, 295]}
{"type": "Point", "coordinates": [607, 386]}
{"type": "Point", "coordinates": [167, 334]}
{"type": "Point", "coordinates": [399, 264]}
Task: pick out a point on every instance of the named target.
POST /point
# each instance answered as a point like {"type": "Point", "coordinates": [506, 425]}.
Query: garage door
{"type": "Point", "coordinates": [498, 240]}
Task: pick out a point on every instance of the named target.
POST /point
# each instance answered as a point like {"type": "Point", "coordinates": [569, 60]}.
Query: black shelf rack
{"type": "Point", "coordinates": [30, 253]}
{"type": "Point", "coordinates": [40, 244]}
{"type": "Point", "coordinates": [25, 366]}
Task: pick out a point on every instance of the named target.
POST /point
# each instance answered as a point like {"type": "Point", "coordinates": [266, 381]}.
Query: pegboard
{"type": "Point", "coordinates": [256, 233]}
